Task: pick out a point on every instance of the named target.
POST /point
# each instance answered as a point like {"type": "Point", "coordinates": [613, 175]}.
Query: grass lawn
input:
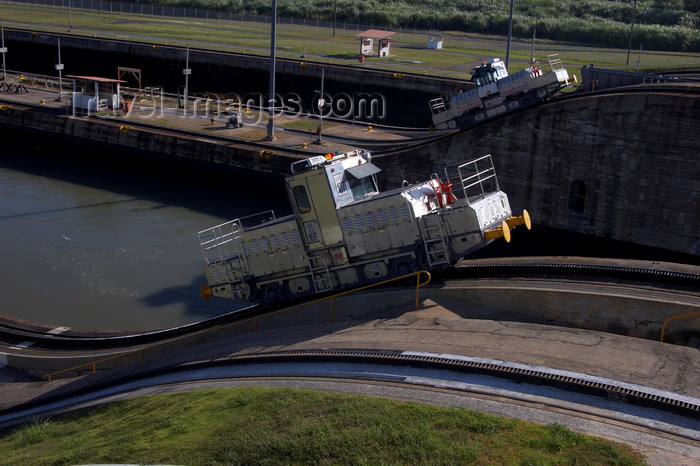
{"type": "Point", "coordinates": [287, 426]}
{"type": "Point", "coordinates": [317, 43]}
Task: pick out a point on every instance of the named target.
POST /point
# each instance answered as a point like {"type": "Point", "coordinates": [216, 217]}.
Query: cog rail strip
{"type": "Point", "coordinates": [569, 381]}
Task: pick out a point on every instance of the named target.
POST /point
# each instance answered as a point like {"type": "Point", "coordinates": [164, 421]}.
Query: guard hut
{"type": "Point", "coordinates": [435, 42]}
{"type": "Point", "coordinates": [95, 94]}
{"type": "Point", "coordinates": [367, 39]}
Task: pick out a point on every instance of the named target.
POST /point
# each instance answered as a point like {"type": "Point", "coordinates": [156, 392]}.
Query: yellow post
{"type": "Point", "coordinates": [417, 288]}
{"type": "Point", "coordinates": [663, 329]}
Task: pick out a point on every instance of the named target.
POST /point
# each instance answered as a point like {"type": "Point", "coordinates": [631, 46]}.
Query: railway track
{"type": "Point", "coordinates": [668, 276]}
{"type": "Point", "coordinates": [642, 277]}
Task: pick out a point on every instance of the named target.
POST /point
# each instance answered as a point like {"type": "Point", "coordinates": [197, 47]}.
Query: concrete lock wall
{"type": "Point", "coordinates": [229, 73]}
{"type": "Point", "coordinates": [619, 166]}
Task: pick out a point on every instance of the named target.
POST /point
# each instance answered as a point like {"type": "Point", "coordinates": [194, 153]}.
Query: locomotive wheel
{"type": "Point", "coordinates": [274, 296]}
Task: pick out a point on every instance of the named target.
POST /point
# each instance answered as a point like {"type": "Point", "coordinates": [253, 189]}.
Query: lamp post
{"type": "Point", "coordinates": [187, 72]}
{"type": "Point", "coordinates": [510, 32]}
{"type": "Point", "coordinates": [3, 49]}
{"type": "Point", "coordinates": [70, 27]}
{"type": "Point", "coordinates": [59, 68]}
{"type": "Point", "coordinates": [629, 43]}
{"type": "Point", "coordinates": [335, 5]}
{"type": "Point", "coordinates": [321, 106]}
{"type": "Point", "coordinates": [271, 98]}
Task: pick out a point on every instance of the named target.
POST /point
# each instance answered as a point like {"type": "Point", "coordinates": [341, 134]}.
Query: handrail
{"type": "Point", "coordinates": [255, 319]}
{"type": "Point", "coordinates": [663, 328]}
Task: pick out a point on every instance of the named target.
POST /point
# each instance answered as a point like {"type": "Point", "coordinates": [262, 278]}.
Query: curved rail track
{"type": "Point", "coordinates": [680, 280]}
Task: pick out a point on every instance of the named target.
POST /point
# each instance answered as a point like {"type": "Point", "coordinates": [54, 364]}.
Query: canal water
{"type": "Point", "coordinates": [110, 243]}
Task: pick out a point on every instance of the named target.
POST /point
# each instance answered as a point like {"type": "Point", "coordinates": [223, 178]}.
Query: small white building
{"type": "Point", "coordinates": [95, 94]}
{"type": "Point", "coordinates": [367, 39]}
{"type": "Point", "coordinates": [435, 42]}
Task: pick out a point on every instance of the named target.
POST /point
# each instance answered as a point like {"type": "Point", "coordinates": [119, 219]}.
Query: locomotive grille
{"type": "Point", "coordinates": [369, 219]}
{"type": "Point", "coordinates": [358, 222]}
{"type": "Point", "coordinates": [347, 224]}
{"type": "Point", "coordinates": [218, 273]}
{"type": "Point", "coordinates": [274, 241]}
{"type": "Point", "coordinates": [405, 212]}
{"type": "Point", "coordinates": [381, 217]}
{"type": "Point", "coordinates": [393, 214]}
{"type": "Point", "coordinates": [284, 239]}
{"type": "Point", "coordinates": [264, 245]}
{"type": "Point", "coordinates": [295, 237]}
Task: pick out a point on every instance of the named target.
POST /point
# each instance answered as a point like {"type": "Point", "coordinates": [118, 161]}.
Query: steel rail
{"type": "Point", "coordinates": [578, 266]}
{"type": "Point", "coordinates": [607, 388]}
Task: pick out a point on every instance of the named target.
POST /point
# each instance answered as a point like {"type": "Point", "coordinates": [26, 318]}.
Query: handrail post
{"type": "Point", "coordinates": [417, 288]}
{"type": "Point", "coordinates": [663, 328]}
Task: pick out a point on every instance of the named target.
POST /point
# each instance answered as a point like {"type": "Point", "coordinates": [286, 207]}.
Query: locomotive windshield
{"type": "Point", "coordinates": [362, 187]}
{"type": "Point", "coordinates": [361, 179]}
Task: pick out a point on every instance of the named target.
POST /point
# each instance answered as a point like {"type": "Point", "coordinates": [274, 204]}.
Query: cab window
{"type": "Point", "coordinates": [301, 199]}
{"type": "Point", "coordinates": [362, 187]}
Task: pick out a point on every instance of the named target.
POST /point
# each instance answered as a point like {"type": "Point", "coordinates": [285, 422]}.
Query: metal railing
{"type": "Point", "coordinates": [663, 328]}
{"type": "Point", "coordinates": [473, 177]}
{"type": "Point", "coordinates": [142, 351]}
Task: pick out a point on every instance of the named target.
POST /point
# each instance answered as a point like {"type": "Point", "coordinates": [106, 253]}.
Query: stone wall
{"type": "Point", "coordinates": [624, 166]}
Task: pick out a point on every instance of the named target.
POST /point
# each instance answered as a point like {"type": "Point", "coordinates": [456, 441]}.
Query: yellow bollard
{"type": "Point", "coordinates": [523, 219]}
{"type": "Point", "coordinates": [502, 231]}
{"type": "Point", "coordinates": [303, 145]}
{"type": "Point", "coordinates": [369, 127]}
{"type": "Point", "coordinates": [42, 101]}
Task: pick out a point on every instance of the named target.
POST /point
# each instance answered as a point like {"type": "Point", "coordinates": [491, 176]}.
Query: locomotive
{"type": "Point", "coordinates": [344, 232]}
{"type": "Point", "coordinates": [497, 93]}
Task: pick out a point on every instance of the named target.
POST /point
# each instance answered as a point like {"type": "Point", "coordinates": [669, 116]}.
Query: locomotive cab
{"type": "Point", "coordinates": [320, 185]}
{"type": "Point", "coordinates": [486, 75]}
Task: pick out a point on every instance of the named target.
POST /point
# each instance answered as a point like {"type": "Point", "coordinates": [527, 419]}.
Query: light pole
{"type": "Point", "coordinates": [335, 5]}
{"type": "Point", "coordinates": [321, 106]}
{"type": "Point", "coordinates": [510, 32]}
{"type": "Point", "coordinates": [629, 44]}
{"type": "Point", "coordinates": [187, 72]}
{"type": "Point", "coordinates": [59, 68]}
{"type": "Point", "coordinates": [3, 49]}
{"type": "Point", "coordinates": [70, 27]}
{"type": "Point", "coordinates": [271, 98]}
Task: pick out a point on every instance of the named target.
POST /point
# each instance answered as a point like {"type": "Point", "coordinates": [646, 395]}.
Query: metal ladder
{"type": "Point", "coordinates": [433, 235]}
{"type": "Point", "coordinates": [236, 270]}
{"type": "Point", "coordinates": [319, 271]}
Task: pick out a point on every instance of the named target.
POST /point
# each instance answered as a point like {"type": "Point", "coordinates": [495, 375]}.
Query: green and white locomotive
{"type": "Point", "coordinates": [345, 233]}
